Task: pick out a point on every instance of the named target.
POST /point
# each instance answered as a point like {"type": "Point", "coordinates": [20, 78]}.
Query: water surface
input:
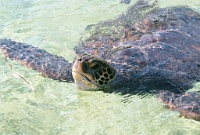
{"type": "Point", "coordinates": [32, 104]}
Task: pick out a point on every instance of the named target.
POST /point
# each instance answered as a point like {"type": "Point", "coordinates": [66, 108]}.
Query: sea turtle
{"type": "Point", "coordinates": [146, 50]}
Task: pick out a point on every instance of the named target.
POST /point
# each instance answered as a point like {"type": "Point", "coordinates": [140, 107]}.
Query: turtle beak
{"type": "Point", "coordinates": [82, 79]}
{"type": "Point", "coordinates": [78, 71]}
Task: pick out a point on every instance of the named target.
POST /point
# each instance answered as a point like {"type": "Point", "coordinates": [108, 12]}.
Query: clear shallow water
{"type": "Point", "coordinates": [32, 104]}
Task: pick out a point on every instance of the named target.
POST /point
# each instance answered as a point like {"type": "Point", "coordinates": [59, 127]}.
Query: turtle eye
{"type": "Point", "coordinates": [80, 59]}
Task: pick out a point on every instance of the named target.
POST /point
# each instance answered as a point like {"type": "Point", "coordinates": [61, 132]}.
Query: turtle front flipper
{"type": "Point", "coordinates": [187, 104]}
{"type": "Point", "coordinates": [47, 64]}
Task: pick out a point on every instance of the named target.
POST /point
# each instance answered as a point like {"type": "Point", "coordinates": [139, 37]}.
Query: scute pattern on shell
{"type": "Point", "coordinates": [151, 48]}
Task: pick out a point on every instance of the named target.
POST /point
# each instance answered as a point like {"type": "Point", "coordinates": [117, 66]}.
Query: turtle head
{"type": "Point", "coordinates": [91, 72]}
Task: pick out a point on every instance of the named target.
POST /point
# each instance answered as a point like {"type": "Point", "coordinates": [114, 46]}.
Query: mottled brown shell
{"type": "Point", "coordinates": [159, 49]}
{"type": "Point", "coordinates": [151, 49]}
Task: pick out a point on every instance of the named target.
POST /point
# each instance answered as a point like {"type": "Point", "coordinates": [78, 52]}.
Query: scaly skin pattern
{"type": "Point", "coordinates": [160, 50]}
{"type": "Point", "coordinates": [187, 104]}
{"type": "Point", "coordinates": [151, 49]}
{"type": "Point", "coordinates": [47, 64]}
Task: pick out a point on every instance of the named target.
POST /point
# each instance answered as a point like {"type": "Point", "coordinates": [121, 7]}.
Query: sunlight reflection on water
{"type": "Point", "coordinates": [45, 106]}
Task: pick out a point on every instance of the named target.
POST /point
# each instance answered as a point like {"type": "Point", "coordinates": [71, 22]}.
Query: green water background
{"type": "Point", "coordinates": [31, 104]}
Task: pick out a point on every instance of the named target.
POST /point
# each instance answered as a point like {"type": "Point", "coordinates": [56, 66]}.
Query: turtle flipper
{"type": "Point", "coordinates": [47, 64]}
{"type": "Point", "coordinates": [187, 104]}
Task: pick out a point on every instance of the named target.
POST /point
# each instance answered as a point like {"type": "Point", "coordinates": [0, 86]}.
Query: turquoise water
{"type": "Point", "coordinates": [31, 104]}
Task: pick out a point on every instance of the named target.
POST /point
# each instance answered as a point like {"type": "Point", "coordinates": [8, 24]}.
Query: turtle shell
{"type": "Point", "coordinates": [148, 49]}
{"type": "Point", "coordinates": [151, 48]}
